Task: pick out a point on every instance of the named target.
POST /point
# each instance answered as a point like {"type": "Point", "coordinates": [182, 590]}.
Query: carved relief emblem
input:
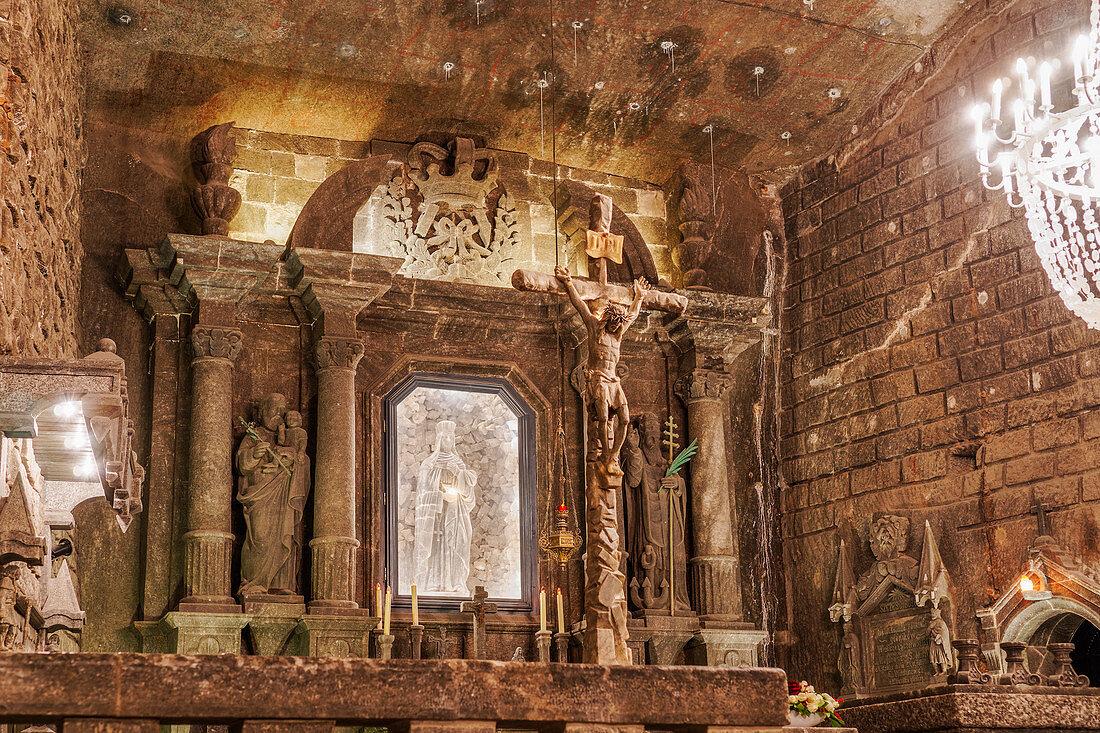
{"type": "Point", "coordinates": [449, 219]}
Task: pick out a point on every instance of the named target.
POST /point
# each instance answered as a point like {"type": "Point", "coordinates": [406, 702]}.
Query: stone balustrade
{"type": "Point", "coordinates": [141, 692]}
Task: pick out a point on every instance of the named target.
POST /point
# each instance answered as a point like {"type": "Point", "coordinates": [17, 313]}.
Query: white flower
{"type": "Point", "coordinates": [812, 706]}
{"type": "Point", "coordinates": [792, 699]}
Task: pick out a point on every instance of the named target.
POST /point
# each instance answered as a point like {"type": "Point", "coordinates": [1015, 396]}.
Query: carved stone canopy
{"type": "Point", "coordinates": [51, 400]}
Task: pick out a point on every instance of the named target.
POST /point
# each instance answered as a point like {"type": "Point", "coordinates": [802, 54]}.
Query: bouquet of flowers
{"type": "Point", "coordinates": [804, 700]}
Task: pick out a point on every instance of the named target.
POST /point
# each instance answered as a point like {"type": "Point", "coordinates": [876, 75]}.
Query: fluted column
{"type": "Point", "coordinates": [334, 544]}
{"type": "Point", "coordinates": [715, 575]}
{"type": "Point", "coordinates": [208, 542]}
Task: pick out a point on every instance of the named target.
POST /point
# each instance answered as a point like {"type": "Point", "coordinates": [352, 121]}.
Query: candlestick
{"type": "Point", "coordinates": [561, 641]}
{"type": "Point", "coordinates": [542, 610]}
{"type": "Point", "coordinates": [416, 611]}
{"type": "Point", "coordinates": [386, 615]}
{"type": "Point", "coordinates": [378, 600]}
{"type": "Point", "coordinates": [385, 646]}
{"type": "Point", "coordinates": [416, 639]}
{"type": "Point", "coordinates": [998, 89]}
{"type": "Point", "coordinates": [542, 638]}
{"type": "Point", "coordinates": [561, 613]}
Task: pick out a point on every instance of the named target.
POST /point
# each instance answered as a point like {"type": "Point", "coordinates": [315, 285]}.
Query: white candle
{"type": "Point", "coordinates": [542, 610]}
{"type": "Point", "coordinates": [1006, 172]}
{"type": "Point", "coordinates": [416, 611]}
{"type": "Point", "coordinates": [378, 599]}
{"type": "Point", "coordinates": [561, 614]}
{"type": "Point", "coordinates": [1080, 52]}
{"type": "Point", "coordinates": [998, 89]}
{"type": "Point", "coordinates": [1044, 84]}
{"type": "Point", "coordinates": [386, 615]}
{"type": "Point", "coordinates": [1018, 115]}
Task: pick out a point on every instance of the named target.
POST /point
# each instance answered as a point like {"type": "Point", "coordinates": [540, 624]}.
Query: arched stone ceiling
{"type": "Point", "coordinates": [362, 69]}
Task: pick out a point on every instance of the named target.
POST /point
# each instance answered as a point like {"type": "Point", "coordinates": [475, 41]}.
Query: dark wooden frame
{"type": "Point", "coordinates": [528, 509]}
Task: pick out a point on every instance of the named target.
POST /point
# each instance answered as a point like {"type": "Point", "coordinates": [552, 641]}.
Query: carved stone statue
{"type": "Point", "coordinates": [272, 489]}
{"type": "Point", "coordinates": [889, 540]}
{"type": "Point", "coordinates": [647, 498]}
{"type": "Point", "coordinates": [851, 665]}
{"type": "Point", "coordinates": [607, 418]}
{"type": "Point", "coordinates": [444, 500]}
{"type": "Point", "coordinates": [11, 621]}
{"type": "Point", "coordinates": [215, 201]}
{"type": "Point", "coordinates": [603, 392]}
{"type": "Point", "coordinates": [940, 652]}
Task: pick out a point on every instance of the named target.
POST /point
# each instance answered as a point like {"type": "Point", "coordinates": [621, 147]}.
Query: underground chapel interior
{"type": "Point", "coordinates": [454, 366]}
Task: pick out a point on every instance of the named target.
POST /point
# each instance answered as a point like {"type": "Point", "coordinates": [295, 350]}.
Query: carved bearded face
{"type": "Point", "coordinates": [614, 318]}
{"type": "Point", "coordinates": [889, 537]}
{"type": "Point", "coordinates": [272, 407]}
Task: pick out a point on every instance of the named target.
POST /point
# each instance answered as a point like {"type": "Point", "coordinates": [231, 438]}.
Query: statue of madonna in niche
{"type": "Point", "coordinates": [443, 530]}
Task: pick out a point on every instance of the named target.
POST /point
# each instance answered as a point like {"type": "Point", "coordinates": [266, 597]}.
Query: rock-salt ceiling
{"type": "Point", "coordinates": [632, 85]}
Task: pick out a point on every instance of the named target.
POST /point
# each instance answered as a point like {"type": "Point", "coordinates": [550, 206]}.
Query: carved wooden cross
{"type": "Point", "coordinates": [478, 607]}
{"type": "Point", "coordinates": [1040, 511]}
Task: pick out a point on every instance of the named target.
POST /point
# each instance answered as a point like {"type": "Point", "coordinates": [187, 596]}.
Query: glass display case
{"type": "Point", "coordinates": [460, 490]}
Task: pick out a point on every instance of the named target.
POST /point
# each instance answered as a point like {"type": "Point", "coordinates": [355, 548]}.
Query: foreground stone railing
{"type": "Point", "coordinates": [141, 692]}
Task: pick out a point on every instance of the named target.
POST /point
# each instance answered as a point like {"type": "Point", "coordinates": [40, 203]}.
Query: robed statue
{"type": "Point", "coordinates": [655, 506]}
{"type": "Point", "coordinates": [444, 500]}
{"type": "Point", "coordinates": [272, 487]}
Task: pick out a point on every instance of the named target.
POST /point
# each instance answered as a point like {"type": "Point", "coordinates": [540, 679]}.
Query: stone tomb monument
{"type": "Point", "coordinates": [895, 636]}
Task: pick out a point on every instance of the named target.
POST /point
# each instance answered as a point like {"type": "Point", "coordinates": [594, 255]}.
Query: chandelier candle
{"type": "Point", "coordinates": [1049, 164]}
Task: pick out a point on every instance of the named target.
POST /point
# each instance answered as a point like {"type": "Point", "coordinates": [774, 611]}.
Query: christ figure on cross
{"type": "Point", "coordinates": [603, 392]}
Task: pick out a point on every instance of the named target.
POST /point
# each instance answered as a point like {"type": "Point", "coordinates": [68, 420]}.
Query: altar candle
{"type": "Point", "coordinates": [542, 610]}
{"type": "Point", "coordinates": [416, 611]}
{"type": "Point", "coordinates": [561, 614]}
{"type": "Point", "coordinates": [386, 616]}
{"type": "Point", "coordinates": [378, 599]}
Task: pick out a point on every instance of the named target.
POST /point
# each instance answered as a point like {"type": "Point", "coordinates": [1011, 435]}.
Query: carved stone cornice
{"type": "Point", "coordinates": [717, 327]}
{"type": "Point", "coordinates": [702, 384]}
{"type": "Point", "coordinates": [214, 342]}
{"type": "Point", "coordinates": [341, 353]}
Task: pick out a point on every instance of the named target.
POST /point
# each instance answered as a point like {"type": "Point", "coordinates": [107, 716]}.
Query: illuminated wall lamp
{"type": "Point", "coordinates": [1028, 587]}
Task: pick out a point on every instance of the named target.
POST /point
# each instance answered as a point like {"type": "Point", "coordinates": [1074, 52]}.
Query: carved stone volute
{"type": "Point", "coordinates": [702, 384]}
{"type": "Point", "coordinates": [221, 343]}
{"type": "Point", "coordinates": [342, 353]}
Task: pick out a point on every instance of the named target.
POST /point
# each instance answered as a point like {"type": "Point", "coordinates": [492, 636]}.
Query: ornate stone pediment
{"type": "Point", "coordinates": [448, 217]}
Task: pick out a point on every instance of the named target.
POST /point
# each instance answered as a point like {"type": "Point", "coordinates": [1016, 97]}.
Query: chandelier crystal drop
{"type": "Point", "coordinates": [1049, 163]}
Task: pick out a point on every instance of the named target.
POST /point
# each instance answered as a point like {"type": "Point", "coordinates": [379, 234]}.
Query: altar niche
{"type": "Point", "coordinates": [459, 496]}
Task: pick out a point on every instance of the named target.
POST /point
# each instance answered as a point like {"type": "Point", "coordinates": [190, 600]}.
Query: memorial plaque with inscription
{"type": "Point", "coordinates": [897, 656]}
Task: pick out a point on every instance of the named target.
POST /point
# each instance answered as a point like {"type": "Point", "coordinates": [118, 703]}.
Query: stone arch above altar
{"type": "Point", "coordinates": [454, 210]}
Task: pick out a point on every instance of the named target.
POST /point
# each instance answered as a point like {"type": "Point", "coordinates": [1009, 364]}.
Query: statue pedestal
{"type": "Point", "coordinates": [341, 635]}
{"type": "Point", "coordinates": [737, 646]}
{"type": "Point", "coordinates": [274, 621]}
{"type": "Point", "coordinates": [658, 638]}
{"type": "Point", "coordinates": [184, 632]}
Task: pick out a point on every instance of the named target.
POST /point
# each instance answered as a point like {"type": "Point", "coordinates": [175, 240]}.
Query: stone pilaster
{"type": "Point", "coordinates": [716, 579]}
{"type": "Point", "coordinates": [334, 543]}
{"type": "Point", "coordinates": [208, 541]}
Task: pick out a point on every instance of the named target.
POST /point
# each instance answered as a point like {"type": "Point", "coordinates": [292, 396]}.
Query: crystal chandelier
{"type": "Point", "coordinates": [1050, 164]}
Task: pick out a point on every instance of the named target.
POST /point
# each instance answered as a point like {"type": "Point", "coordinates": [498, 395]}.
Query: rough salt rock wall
{"type": "Point", "coordinates": [40, 150]}
{"type": "Point", "coordinates": [932, 372]}
{"type": "Point", "coordinates": [486, 439]}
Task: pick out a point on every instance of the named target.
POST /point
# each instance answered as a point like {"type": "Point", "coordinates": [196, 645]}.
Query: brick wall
{"type": "Point", "coordinates": [41, 154]}
{"type": "Point", "coordinates": [929, 369]}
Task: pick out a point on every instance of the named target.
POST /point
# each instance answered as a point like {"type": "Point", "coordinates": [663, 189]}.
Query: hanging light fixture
{"type": "Point", "coordinates": [1050, 164]}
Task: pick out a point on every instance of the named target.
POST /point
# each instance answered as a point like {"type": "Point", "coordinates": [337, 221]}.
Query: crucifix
{"type": "Point", "coordinates": [607, 310]}
{"type": "Point", "coordinates": [478, 607]}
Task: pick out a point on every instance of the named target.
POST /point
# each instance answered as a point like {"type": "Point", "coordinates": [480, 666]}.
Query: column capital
{"type": "Point", "coordinates": [702, 384]}
{"type": "Point", "coordinates": [332, 352]}
{"type": "Point", "coordinates": [216, 342]}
